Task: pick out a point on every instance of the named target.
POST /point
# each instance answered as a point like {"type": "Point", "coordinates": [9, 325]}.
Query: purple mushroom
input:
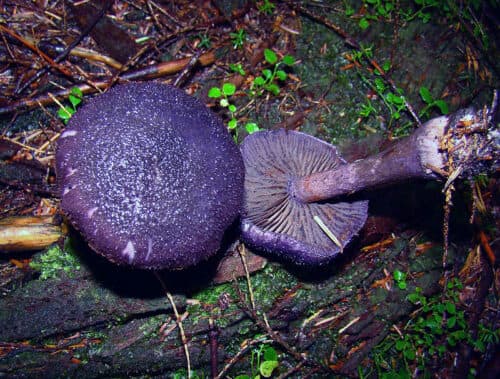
{"type": "Point", "coordinates": [149, 176]}
{"type": "Point", "coordinates": [297, 187]}
{"type": "Point", "coordinates": [276, 222]}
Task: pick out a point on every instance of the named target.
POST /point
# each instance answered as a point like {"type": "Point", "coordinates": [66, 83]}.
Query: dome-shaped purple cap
{"type": "Point", "coordinates": [149, 176]}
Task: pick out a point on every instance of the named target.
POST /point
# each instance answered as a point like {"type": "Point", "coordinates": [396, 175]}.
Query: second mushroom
{"type": "Point", "coordinates": [297, 187]}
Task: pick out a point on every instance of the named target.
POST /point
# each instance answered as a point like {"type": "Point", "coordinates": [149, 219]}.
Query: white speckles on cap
{"type": "Point", "coordinates": [68, 133]}
{"type": "Point", "coordinates": [66, 190]}
{"type": "Point", "coordinates": [129, 251]}
{"type": "Point", "coordinates": [91, 211]}
{"type": "Point", "coordinates": [71, 171]}
{"type": "Point", "coordinates": [150, 248]}
{"type": "Point", "coordinates": [150, 177]}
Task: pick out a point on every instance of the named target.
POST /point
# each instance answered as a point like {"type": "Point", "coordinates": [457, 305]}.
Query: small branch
{"type": "Point", "coordinates": [179, 323]}
{"type": "Point", "coordinates": [192, 62]}
{"type": "Point", "coordinates": [63, 70]}
{"type": "Point", "coordinates": [65, 53]}
{"type": "Point", "coordinates": [263, 323]}
{"type": "Point", "coordinates": [148, 72]}
{"type": "Point", "coordinates": [240, 353]}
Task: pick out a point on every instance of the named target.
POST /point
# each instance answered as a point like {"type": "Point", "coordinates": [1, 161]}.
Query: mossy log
{"type": "Point", "coordinates": [111, 322]}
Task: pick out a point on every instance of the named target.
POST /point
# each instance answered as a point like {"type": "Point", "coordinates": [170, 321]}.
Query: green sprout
{"type": "Point", "coordinates": [264, 362]}
{"type": "Point", "coordinates": [75, 98]}
{"type": "Point", "coordinates": [400, 279]}
{"type": "Point", "coordinates": [267, 81]}
{"type": "Point", "coordinates": [430, 102]}
{"type": "Point", "coordinates": [204, 41]}
{"type": "Point", "coordinates": [367, 109]}
{"type": "Point", "coordinates": [238, 38]}
{"type": "Point", "coordinates": [266, 7]}
{"type": "Point", "coordinates": [223, 94]}
{"type": "Point", "coordinates": [438, 325]}
{"type": "Point", "coordinates": [237, 68]}
{"type": "Point", "coordinates": [380, 9]}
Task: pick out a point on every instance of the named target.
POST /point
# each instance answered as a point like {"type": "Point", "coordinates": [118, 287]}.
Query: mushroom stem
{"type": "Point", "coordinates": [423, 155]}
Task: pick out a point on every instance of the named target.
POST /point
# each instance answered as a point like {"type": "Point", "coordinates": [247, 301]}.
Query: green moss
{"type": "Point", "coordinates": [270, 283]}
{"type": "Point", "coordinates": [208, 306]}
{"type": "Point", "coordinates": [151, 325]}
{"type": "Point", "coordinates": [211, 295]}
{"type": "Point", "coordinates": [55, 262]}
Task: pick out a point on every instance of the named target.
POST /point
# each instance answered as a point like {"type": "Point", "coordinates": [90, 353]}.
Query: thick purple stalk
{"type": "Point", "coordinates": [410, 158]}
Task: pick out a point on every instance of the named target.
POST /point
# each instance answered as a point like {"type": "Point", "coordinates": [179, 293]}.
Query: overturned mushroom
{"type": "Point", "coordinates": [276, 222]}
{"type": "Point", "coordinates": [293, 181]}
{"type": "Point", "coordinates": [149, 176]}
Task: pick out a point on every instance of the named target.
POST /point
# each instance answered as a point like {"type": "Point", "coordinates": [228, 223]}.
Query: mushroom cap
{"type": "Point", "coordinates": [276, 222]}
{"type": "Point", "coordinates": [150, 176]}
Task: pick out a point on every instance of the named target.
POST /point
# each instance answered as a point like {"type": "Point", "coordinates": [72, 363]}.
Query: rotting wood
{"type": "Point", "coordinates": [28, 233]}
{"type": "Point", "coordinates": [119, 333]}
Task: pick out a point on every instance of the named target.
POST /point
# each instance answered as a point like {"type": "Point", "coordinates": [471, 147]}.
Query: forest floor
{"type": "Point", "coordinates": [357, 74]}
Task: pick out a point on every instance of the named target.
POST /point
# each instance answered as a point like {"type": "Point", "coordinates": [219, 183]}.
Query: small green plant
{"type": "Point", "coordinates": [75, 98]}
{"type": "Point", "coordinates": [237, 68]}
{"type": "Point", "coordinates": [379, 9]}
{"type": "Point", "coordinates": [267, 80]}
{"type": "Point", "coordinates": [205, 41]}
{"type": "Point", "coordinates": [394, 100]}
{"type": "Point", "coordinates": [182, 374]}
{"type": "Point", "coordinates": [400, 279]}
{"type": "Point", "coordinates": [486, 336]}
{"type": "Point", "coordinates": [431, 103]}
{"type": "Point", "coordinates": [238, 38]}
{"type": "Point", "coordinates": [385, 9]}
{"type": "Point", "coordinates": [266, 7]}
{"type": "Point", "coordinates": [438, 326]}
{"type": "Point", "coordinates": [223, 94]}
{"type": "Point", "coordinates": [439, 317]}
{"type": "Point", "coordinates": [264, 362]}
{"type": "Point", "coordinates": [55, 261]}
{"type": "Point", "coordinates": [367, 109]}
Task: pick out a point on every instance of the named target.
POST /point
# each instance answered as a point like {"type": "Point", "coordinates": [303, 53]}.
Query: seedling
{"type": "Point", "coordinates": [394, 101]}
{"type": "Point", "coordinates": [380, 9]}
{"type": "Point", "coordinates": [430, 102]}
{"type": "Point", "coordinates": [238, 38]}
{"type": "Point", "coordinates": [237, 68]}
{"type": "Point", "coordinates": [54, 262]}
{"type": "Point", "coordinates": [204, 41]}
{"type": "Point", "coordinates": [223, 94]}
{"type": "Point", "coordinates": [266, 7]}
{"type": "Point", "coordinates": [266, 81]}
{"type": "Point", "coordinates": [264, 362]}
{"type": "Point", "coordinates": [385, 9]}
{"type": "Point", "coordinates": [437, 326]}
{"type": "Point", "coordinates": [400, 279]}
{"type": "Point", "coordinates": [75, 98]}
